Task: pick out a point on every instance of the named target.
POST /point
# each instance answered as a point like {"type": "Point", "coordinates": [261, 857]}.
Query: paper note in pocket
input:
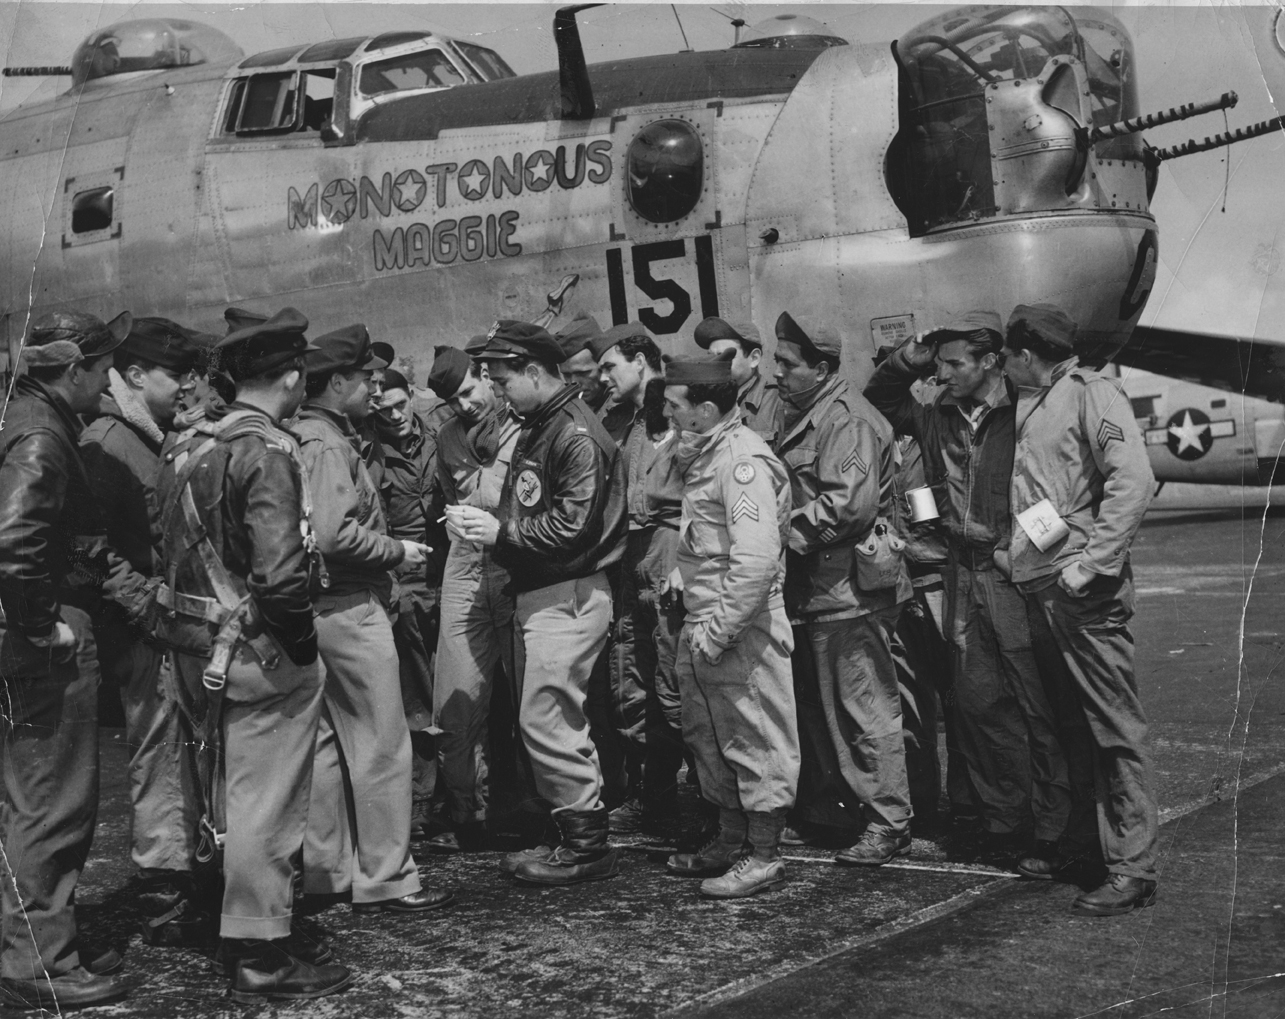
{"type": "Point", "coordinates": [1043, 525]}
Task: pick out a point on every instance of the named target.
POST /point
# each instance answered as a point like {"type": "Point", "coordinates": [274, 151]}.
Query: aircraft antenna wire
{"type": "Point", "coordinates": [1226, 161]}
{"type": "Point", "coordinates": [686, 45]}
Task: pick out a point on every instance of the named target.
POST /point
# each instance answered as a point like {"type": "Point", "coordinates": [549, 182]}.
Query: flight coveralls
{"type": "Point", "coordinates": [1078, 446]}
{"type": "Point", "coordinates": [1008, 731]}
{"type": "Point", "coordinates": [840, 456]}
{"type": "Point", "coordinates": [363, 723]}
{"type": "Point", "coordinates": [562, 524]}
{"type": "Point", "coordinates": [476, 633]}
{"type": "Point", "coordinates": [244, 474]}
{"type": "Point", "coordinates": [53, 560]}
{"type": "Point", "coordinates": [761, 409]}
{"type": "Point", "coordinates": [738, 713]}
{"type": "Point", "coordinates": [121, 449]}
{"type": "Point", "coordinates": [409, 471]}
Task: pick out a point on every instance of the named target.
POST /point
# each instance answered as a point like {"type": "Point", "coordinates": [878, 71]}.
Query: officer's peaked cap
{"type": "Point", "coordinates": [344, 350]}
{"type": "Point", "coordinates": [810, 336]}
{"type": "Point", "coordinates": [164, 342]}
{"type": "Point", "coordinates": [69, 337]}
{"type": "Point", "coordinates": [716, 329]}
{"type": "Point", "coordinates": [239, 318]}
{"type": "Point", "coordinates": [383, 351]}
{"type": "Point", "coordinates": [261, 346]}
{"type": "Point", "coordinates": [508, 339]}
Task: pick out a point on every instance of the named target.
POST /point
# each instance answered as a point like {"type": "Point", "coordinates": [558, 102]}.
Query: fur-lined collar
{"type": "Point", "coordinates": [132, 409]}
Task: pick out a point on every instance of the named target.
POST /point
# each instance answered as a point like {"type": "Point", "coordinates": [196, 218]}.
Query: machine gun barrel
{"type": "Point", "coordinates": [34, 72]}
{"type": "Point", "coordinates": [1241, 134]}
{"type": "Point", "coordinates": [1135, 124]}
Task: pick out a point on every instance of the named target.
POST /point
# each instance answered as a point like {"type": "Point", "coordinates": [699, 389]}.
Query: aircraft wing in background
{"type": "Point", "coordinates": [1252, 367]}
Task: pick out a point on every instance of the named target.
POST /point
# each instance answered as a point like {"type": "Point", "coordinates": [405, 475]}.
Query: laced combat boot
{"type": "Point", "coordinates": [584, 854]}
{"type": "Point", "coordinates": [760, 869]}
{"type": "Point", "coordinates": [719, 853]}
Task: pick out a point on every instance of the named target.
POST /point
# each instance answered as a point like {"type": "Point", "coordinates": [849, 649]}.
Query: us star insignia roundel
{"type": "Point", "coordinates": [743, 472]}
{"type": "Point", "coordinates": [745, 507]}
{"type": "Point", "coordinates": [527, 488]}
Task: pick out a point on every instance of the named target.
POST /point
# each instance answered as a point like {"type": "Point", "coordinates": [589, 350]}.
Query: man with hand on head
{"type": "Point", "coordinates": [52, 561]}
{"type": "Point", "coordinates": [122, 452]}
{"type": "Point", "coordinates": [560, 524]}
{"type": "Point", "coordinates": [839, 452]}
{"type": "Point", "coordinates": [476, 635]}
{"type": "Point", "coordinates": [757, 394]}
{"type": "Point", "coordinates": [1008, 729]}
{"type": "Point", "coordinates": [1081, 485]}
{"type": "Point", "coordinates": [363, 722]}
{"type": "Point", "coordinates": [734, 651]}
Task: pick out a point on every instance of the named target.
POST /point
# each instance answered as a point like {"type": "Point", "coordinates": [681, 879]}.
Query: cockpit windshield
{"type": "Point", "coordinates": [948, 62]}
{"type": "Point", "coordinates": [149, 45]}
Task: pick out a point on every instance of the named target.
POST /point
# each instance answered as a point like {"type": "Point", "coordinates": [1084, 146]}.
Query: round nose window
{"type": "Point", "coordinates": [666, 168]}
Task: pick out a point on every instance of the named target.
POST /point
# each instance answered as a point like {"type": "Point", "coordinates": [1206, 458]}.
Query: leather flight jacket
{"type": "Point", "coordinates": [562, 509]}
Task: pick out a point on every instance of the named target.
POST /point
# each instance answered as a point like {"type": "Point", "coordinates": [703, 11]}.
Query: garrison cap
{"type": "Point", "coordinates": [261, 346]}
{"type": "Point", "coordinates": [969, 323]}
{"type": "Point", "coordinates": [239, 318]}
{"type": "Point", "coordinates": [393, 379]}
{"type": "Point", "coordinates": [509, 338]}
{"type": "Point", "coordinates": [821, 340]}
{"type": "Point", "coordinates": [163, 342]}
{"type": "Point", "coordinates": [1047, 321]}
{"type": "Point", "coordinates": [579, 334]}
{"type": "Point", "coordinates": [69, 337]}
{"type": "Point", "coordinates": [699, 371]}
{"type": "Point", "coordinates": [599, 345]}
{"type": "Point", "coordinates": [450, 366]}
{"type": "Point", "coordinates": [716, 329]}
{"type": "Point", "coordinates": [343, 350]}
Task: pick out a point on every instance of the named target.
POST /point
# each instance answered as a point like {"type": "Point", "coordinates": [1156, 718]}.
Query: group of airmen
{"type": "Point", "coordinates": [342, 613]}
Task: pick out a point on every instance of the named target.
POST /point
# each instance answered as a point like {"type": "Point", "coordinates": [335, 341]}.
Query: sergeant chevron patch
{"type": "Point", "coordinates": [745, 507]}
{"type": "Point", "coordinates": [854, 460]}
{"type": "Point", "coordinates": [1107, 431]}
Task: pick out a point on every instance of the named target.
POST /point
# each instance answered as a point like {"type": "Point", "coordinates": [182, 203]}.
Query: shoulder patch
{"type": "Point", "coordinates": [745, 507]}
{"type": "Point", "coordinates": [743, 473]}
{"type": "Point", "coordinates": [1109, 431]}
{"type": "Point", "coordinates": [854, 460]}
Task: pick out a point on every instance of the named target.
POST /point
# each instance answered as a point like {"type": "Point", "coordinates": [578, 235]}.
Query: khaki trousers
{"type": "Point", "coordinates": [563, 627]}
{"type": "Point", "coordinates": [269, 737]}
{"type": "Point", "coordinates": [359, 820]}
{"type": "Point", "coordinates": [739, 716]}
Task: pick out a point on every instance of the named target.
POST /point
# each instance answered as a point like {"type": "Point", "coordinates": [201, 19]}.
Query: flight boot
{"type": "Point", "coordinates": [584, 854]}
{"type": "Point", "coordinates": [874, 849]}
{"type": "Point", "coordinates": [718, 854]}
{"type": "Point", "coordinates": [1118, 895]}
{"type": "Point", "coordinates": [758, 870]}
{"type": "Point", "coordinates": [537, 854]}
{"type": "Point", "coordinates": [171, 918]}
{"type": "Point", "coordinates": [267, 971]}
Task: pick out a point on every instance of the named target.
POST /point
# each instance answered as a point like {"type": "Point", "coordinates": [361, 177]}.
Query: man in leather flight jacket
{"type": "Point", "coordinates": [561, 523]}
{"type": "Point", "coordinates": [53, 560]}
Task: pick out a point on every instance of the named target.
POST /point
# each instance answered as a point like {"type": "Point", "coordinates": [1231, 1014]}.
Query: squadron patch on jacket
{"type": "Point", "coordinates": [854, 460]}
{"type": "Point", "coordinates": [745, 507]}
{"type": "Point", "coordinates": [1108, 431]}
{"type": "Point", "coordinates": [743, 472]}
{"type": "Point", "coordinates": [527, 488]}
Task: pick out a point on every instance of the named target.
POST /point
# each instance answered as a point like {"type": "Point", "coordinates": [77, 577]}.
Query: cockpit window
{"type": "Point", "coordinates": [488, 64]}
{"type": "Point", "coordinates": [425, 69]}
{"type": "Point", "coordinates": [263, 102]}
{"type": "Point", "coordinates": [940, 165]}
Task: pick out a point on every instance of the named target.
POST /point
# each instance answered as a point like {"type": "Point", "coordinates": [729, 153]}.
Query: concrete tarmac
{"type": "Point", "coordinates": [947, 932]}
